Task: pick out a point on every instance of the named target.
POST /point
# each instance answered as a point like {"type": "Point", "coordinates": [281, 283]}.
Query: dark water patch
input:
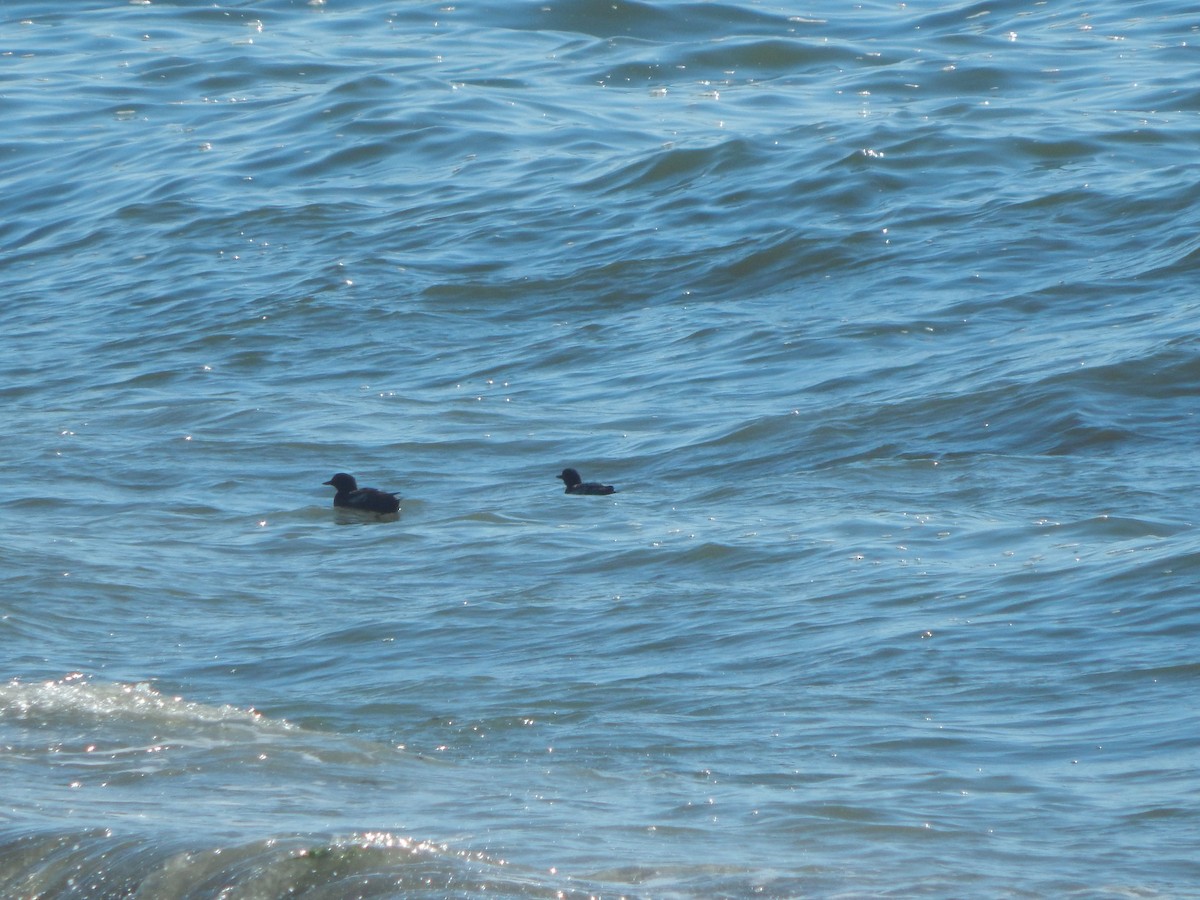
{"type": "Point", "coordinates": [640, 20]}
{"type": "Point", "coordinates": [740, 59]}
{"type": "Point", "coordinates": [497, 83]}
{"type": "Point", "coordinates": [972, 19]}
{"type": "Point", "coordinates": [667, 172]}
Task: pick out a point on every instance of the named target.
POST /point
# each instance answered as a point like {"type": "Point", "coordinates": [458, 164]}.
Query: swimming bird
{"type": "Point", "coordinates": [351, 496]}
{"type": "Point", "coordinates": [576, 485]}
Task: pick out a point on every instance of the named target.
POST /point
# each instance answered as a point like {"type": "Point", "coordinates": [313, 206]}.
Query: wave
{"type": "Point", "coordinates": [99, 864]}
{"type": "Point", "coordinates": [113, 742]}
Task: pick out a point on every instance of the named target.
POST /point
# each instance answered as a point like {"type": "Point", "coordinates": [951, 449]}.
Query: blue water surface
{"type": "Point", "coordinates": [881, 318]}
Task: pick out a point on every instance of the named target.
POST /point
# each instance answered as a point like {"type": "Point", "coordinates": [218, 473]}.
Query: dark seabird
{"type": "Point", "coordinates": [351, 496]}
{"type": "Point", "coordinates": [576, 485]}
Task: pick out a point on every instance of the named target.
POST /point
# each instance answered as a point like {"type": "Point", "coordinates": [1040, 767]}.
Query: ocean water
{"type": "Point", "coordinates": [882, 318]}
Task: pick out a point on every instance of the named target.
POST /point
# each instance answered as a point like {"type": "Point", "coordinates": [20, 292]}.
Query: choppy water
{"type": "Point", "coordinates": [883, 319]}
